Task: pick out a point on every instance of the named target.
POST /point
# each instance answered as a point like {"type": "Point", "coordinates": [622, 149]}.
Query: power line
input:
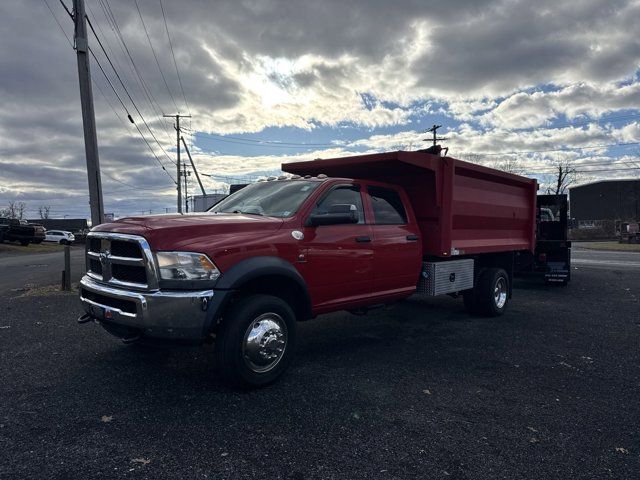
{"type": "Point", "coordinates": [111, 19]}
{"type": "Point", "coordinates": [259, 140]}
{"type": "Point", "coordinates": [144, 26]}
{"type": "Point", "coordinates": [137, 74]}
{"type": "Point", "coordinates": [128, 115]}
{"type": "Point", "coordinates": [133, 187]}
{"type": "Point", "coordinates": [260, 145]}
{"type": "Point", "coordinates": [65, 7]}
{"type": "Point", "coordinates": [563, 149]}
{"type": "Point", "coordinates": [112, 87]}
{"type": "Point", "coordinates": [126, 90]}
{"type": "Point", "coordinates": [174, 58]}
{"type": "Point", "coordinates": [58, 22]}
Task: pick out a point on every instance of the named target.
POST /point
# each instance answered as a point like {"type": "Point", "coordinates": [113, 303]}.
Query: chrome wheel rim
{"type": "Point", "coordinates": [265, 342]}
{"type": "Point", "coordinates": [500, 292]}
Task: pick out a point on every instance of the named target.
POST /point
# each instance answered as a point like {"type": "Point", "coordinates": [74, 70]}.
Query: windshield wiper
{"type": "Point", "coordinates": [248, 213]}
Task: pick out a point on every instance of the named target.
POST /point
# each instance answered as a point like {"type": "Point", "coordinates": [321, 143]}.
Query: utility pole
{"type": "Point", "coordinates": [177, 116]}
{"type": "Point", "coordinates": [185, 174]}
{"type": "Point", "coordinates": [88, 115]}
{"type": "Point", "coordinates": [193, 165]}
{"type": "Point", "coordinates": [435, 138]}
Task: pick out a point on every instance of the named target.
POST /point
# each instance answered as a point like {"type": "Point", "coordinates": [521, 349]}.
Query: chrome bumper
{"type": "Point", "coordinates": [170, 315]}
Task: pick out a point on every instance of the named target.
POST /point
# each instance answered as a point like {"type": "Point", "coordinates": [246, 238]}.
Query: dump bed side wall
{"type": "Point", "coordinates": [488, 212]}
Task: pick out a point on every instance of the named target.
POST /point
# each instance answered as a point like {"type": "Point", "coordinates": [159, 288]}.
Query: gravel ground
{"type": "Point", "coordinates": [419, 390]}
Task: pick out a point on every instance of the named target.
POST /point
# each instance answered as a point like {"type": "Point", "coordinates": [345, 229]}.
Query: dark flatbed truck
{"type": "Point", "coordinates": [551, 259]}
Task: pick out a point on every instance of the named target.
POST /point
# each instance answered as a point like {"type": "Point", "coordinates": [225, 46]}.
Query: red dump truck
{"type": "Point", "coordinates": [339, 234]}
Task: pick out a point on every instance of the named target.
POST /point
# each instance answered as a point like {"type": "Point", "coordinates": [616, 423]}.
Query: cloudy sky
{"type": "Point", "coordinates": [268, 81]}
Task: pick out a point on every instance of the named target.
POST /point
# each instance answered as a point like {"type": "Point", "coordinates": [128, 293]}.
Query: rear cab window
{"type": "Point", "coordinates": [387, 206]}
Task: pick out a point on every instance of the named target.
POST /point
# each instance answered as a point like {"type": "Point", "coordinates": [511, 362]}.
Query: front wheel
{"type": "Point", "coordinates": [255, 343]}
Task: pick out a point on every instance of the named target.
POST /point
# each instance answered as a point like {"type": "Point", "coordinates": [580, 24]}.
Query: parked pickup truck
{"type": "Point", "coordinates": [14, 230]}
{"type": "Point", "coordinates": [340, 234]}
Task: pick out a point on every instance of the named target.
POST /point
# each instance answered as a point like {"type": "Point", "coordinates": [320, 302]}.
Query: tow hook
{"type": "Point", "coordinates": [205, 304]}
{"type": "Point", "coordinates": [84, 318]}
{"type": "Point", "coordinates": [131, 339]}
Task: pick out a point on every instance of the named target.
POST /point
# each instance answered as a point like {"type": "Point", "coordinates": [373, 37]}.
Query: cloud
{"type": "Point", "coordinates": [503, 67]}
{"type": "Point", "coordinates": [526, 110]}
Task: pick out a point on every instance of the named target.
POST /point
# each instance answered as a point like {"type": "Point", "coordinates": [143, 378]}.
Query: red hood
{"type": "Point", "coordinates": [164, 232]}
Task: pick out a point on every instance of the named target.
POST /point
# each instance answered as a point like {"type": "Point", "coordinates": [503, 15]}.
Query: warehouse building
{"type": "Point", "coordinates": [600, 209]}
{"type": "Point", "coordinates": [202, 203]}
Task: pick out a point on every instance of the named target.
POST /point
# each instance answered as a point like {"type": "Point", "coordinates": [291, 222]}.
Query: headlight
{"type": "Point", "coordinates": [186, 266]}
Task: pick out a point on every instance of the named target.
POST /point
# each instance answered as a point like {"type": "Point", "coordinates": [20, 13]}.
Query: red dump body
{"type": "Point", "coordinates": [461, 208]}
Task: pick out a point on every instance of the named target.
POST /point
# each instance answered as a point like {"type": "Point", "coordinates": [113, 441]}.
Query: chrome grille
{"type": "Point", "coordinates": [121, 260]}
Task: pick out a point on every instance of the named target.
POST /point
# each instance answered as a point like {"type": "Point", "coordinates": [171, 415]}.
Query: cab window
{"type": "Point", "coordinates": [387, 206]}
{"type": "Point", "coordinates": [342, 194]}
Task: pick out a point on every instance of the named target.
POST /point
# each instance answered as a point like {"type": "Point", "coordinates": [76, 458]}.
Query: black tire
{"type": "Point", "coordinates": [233, 356]}
{"type": "Point", "coordinates": [492, 292]}
{"type": "Point", "coordinates": [63, 242]}
{"type": "Point", "coordinates": [24, 243]}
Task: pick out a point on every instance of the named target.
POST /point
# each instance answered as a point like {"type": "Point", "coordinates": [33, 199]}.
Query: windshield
{"type": "Point", "coordinates": [271, 199]}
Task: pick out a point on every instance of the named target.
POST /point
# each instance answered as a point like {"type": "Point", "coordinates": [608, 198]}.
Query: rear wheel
{"type": "Point", "coordinates": [490, 295]}
{"type": "Point", "coordinates": [493, 292]}
{"type": "Point", "coordinates": [255, 343]}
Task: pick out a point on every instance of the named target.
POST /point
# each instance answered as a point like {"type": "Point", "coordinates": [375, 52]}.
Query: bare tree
{"type": "Point", "coordinates": [43, 211]}
{"type": "Point", "coordinates": [20, 209]}
{"type": "Point", "coordinates": [566, 174]}
{"type": "Point", "coordinates": [472, 158]}
{"type": "Point", "coordinates": [509, 164]}
{"type": "Point", "coordinates": [14, 210]}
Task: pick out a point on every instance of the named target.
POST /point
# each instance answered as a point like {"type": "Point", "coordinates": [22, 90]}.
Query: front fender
{"type": "Point", "coordinates": [255, 267]}
{"type": "Point", "coordinates": [263, 266]}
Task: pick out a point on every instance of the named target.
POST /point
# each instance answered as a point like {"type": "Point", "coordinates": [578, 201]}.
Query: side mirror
{"type": "Point", "coordinates": [337, 215]}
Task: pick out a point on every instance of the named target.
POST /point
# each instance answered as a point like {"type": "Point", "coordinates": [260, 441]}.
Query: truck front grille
{"type": "Point", "coordinates": [126, 249]}
{"type": "Point", "coordinates": [95, 266]}
{"type": "Point", "coordinates": [129, 273]}
{"type": "Point", "coordinates": [121, 260]}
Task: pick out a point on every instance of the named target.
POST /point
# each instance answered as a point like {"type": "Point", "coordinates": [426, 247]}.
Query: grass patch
{"type": "Point", "coordinates": [609, 246]}
{"type": "Point", "coordinates": [46, 291]}
{"type": "Point", "coordinates": [32, 248]}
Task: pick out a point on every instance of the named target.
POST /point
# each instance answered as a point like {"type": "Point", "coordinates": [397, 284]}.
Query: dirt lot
{"type": "Point", "coordinates": [420, 390]}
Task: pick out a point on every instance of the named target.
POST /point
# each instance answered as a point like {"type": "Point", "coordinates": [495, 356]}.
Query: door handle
{"type": "Point", "coordinates": [364, 239]}
{"type": "Point", "coordinates": [413, 238]}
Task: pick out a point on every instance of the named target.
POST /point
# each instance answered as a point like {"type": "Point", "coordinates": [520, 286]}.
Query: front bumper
{"type": "Point", "coordinates": [166, 315]}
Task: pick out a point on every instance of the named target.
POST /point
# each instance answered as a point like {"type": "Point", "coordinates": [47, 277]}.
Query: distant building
{"type": "Point", "coordinates": [606, 200]}
{"type": "Point", "coordinates": [202, 203]}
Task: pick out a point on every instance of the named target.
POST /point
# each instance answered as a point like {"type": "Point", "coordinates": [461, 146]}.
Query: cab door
{"type": "Point", "coordinates": [397, 249]}
{"type": "Point", "coordinates": [338, 266]}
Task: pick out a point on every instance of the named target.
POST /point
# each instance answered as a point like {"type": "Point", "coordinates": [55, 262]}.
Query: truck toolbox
{"type": "Point", "coordinates": [461, 208]}
{"type": "Point", "coordinates": [439, 278]}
